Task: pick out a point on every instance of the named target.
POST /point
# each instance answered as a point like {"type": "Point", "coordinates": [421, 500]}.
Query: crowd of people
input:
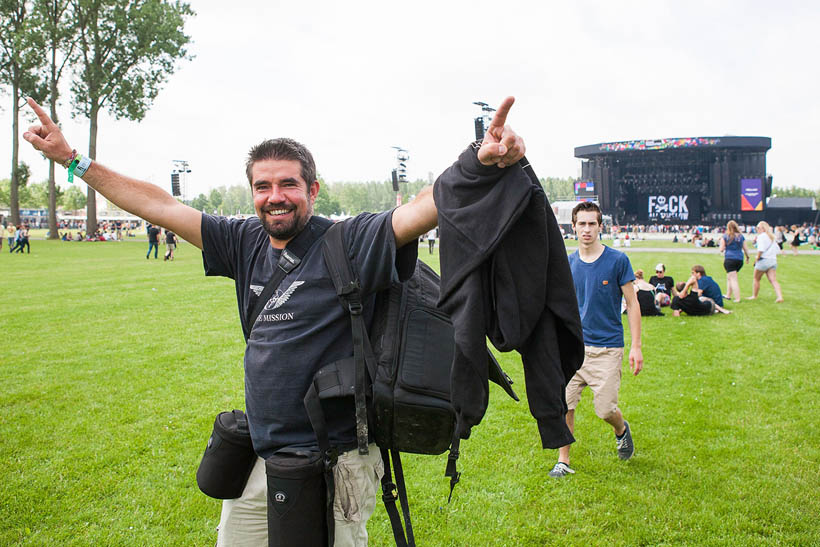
{"type": "Point", "coordinates": [700, 294]}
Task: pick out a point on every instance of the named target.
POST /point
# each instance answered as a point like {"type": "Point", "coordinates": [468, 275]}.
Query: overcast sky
{"type": "Point", "coordinates": [352, 79]}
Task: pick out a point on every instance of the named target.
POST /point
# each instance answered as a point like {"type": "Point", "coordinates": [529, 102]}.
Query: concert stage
{"type": "Point", "coordinates": [697, 180]}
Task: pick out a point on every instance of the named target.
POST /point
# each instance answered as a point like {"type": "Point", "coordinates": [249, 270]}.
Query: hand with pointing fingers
{"type": "Point", "coordinates": [47, 137]}
{"type": "Point", "coordinates": [501, 145]}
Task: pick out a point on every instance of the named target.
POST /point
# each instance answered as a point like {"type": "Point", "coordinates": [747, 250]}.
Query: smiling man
{"type": "Point", "coordinates": [601, 276]}
{"type": "Point", "coordinates": [302, 327]}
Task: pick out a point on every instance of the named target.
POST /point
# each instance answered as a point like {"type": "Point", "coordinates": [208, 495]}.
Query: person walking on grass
{"type": "Point", "coordinates": [170, 244]}
{"type": "Point", "coordinates": [22, 240]}
{"type": "Point", "coordinates": [303, 328]}
{"type": "Point", "coordinates": [153, 240]}
{"type": "Point", "coordinates": [733, 247]}
{"type": "Point", "coordinates": [602, 276]}
{"type": "Point", "coordinates": [766, 261]}
{"type": "Point", "coordinates": [11, 235]}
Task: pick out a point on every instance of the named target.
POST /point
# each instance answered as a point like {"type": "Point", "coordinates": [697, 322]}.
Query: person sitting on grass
{"type": "Point", "coordinates": [664, 285]}
{"type": "Point", "coordinates": [691, 301]}
{"type": "Point", "coordinates": [707, 285]}
{"type": "Point", "coordinates": [646, 296]}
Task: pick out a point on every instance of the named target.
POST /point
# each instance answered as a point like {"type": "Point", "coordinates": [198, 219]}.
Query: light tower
{"type": "Point", "coordinates": [483, 120]}
{"type": "Point", "coordinates": [179, 185]}
{"type": "Point", "coordinates": [399, 174]}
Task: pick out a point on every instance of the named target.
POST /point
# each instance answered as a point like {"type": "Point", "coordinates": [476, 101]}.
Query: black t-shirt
{"type": "Point", "coordinates": [169, 236]}
{"type": "Point", "coordinates": [153, 234]}
{"type": "Point", "coordinates": [691, 305]}
{"type": "Point", "coordinates": [662, 285]}
{"type": "Point", "coordinates": [303, 327]}
{"type": "Point", "coordinates": [646, 301]}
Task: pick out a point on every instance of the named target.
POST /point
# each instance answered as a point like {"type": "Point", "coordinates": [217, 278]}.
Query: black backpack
{"type": "Point", "coordinates": [399, 375]}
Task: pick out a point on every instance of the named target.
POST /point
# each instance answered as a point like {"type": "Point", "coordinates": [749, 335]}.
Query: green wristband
{"type": "Point", "coordinates": [71, 170]}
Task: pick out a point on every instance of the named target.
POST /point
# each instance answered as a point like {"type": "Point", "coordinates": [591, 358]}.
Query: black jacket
{"type": "Point", "coordinates": [505, 275]}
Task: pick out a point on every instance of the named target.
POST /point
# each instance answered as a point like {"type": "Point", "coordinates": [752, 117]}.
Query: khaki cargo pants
{"type": "Point", "coordinates": [244, 521]}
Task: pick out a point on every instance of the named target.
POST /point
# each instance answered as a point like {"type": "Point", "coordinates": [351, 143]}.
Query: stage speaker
{"type": "Point", "coordinates": [395, 177]}
{"type": "Point", "coordinates": [175, 184]}
{"type": "Point", "coordinates": [479, 128]}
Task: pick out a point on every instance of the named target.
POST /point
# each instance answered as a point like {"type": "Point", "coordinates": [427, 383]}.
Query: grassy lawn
{"type": "Point", "coordinates": [114, 367]}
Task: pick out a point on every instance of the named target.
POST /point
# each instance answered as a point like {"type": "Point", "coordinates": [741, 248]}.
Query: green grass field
{"type": "Point", "coordinates": [114, 367]}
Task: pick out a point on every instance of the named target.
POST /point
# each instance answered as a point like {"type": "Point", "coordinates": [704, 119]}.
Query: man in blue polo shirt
{"type": "Point", "coordinates": [708, 286]}
{"type": "Point", "coordinates": [601, 275]}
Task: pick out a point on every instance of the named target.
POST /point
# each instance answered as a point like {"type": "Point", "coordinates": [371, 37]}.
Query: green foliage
{"type": "Point", "coordinates": [796, 192]}
{"type": "Point", "coordinates": [372, 196]}
{"type": "Point", "coordinates": [36, 195]}
{"type": "Point", "coordinates": [326, 205]}
{"type": "Point", "coordinates": [128, 49]}
{"type": "Point", "coordinates": [115, 366]}
{"type": "Point", "coordinates": [73, 199]}
{"type": "Point", "coordinates": [558, 189]}
{"type": "Point", "coordinates": [236, 199]}
{"type": "Point", "coordinates": [23, 174]}
{"type": "Point", "coordinates": [200, 203]}
{"type": "Point", "coordinates": [215, 199]}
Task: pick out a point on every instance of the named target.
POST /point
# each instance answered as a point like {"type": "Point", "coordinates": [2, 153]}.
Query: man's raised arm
{"type": "Point", "coordinates": [501, 147]}
{"type": "Point", "coordinates": [143, 199]}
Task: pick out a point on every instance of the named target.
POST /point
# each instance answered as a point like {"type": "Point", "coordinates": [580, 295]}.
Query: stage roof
{"type": "Point", "coordinates": [752, 144]}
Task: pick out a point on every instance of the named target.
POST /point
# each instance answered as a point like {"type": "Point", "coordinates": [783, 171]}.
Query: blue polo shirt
{"type": "Point", "coordinates": [598, 290]}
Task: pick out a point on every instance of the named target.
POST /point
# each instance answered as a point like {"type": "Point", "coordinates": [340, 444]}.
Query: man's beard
{"type": "Point", "coordinates": [286, 230]}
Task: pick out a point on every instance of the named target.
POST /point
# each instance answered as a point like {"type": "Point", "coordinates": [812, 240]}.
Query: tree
{"type": "Point", "coordinates": [558, 189]}
{"type": "Point", "coordinates": [73, 199]}
{"type": "Point", "coordinates": [200, 203]}
{"type": "Point", "coordinates": [53, 20]}
{"type": "Point", "coordinates": [20, 56]}
{"type": "Point", "coordinates": [36, 196]}
{"type": "Point", "coordinates": [127, 49]}
{"type": "Point", "coordinates": [23, 174]}
{"type": "Point", "coordinates": [214, 199]}
{"type": "Point", "coordinates": [237, 199]}
{"type": "Point", "coordinates": [326, 205]}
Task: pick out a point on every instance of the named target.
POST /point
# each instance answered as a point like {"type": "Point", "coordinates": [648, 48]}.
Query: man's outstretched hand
{"type": "Point", "coordinates": [47, 137]}
{"type": "Point", "coordinates": [501, 146]}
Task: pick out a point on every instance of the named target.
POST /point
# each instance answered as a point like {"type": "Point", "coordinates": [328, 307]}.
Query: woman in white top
{"type": "Point", "coordinates": [766, 262]}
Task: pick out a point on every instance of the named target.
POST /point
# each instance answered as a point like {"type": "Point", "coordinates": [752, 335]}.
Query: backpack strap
{"type": "Point", "coordinates": [390, 491]}
{"type": "Point", "coordinates": [349, 292]}
{"type": "Point", "coordinates": [289, 260]}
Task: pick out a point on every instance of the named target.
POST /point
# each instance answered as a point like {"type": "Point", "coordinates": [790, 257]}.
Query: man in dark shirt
{"type": "Point", "coordinates": [707, 285]}
{"type": "Point", "coordinates": [690, 300]}
{"type": "Point", "coordinates": [153, 240]}
{"type": "Point", "coordinates": [302, 327]}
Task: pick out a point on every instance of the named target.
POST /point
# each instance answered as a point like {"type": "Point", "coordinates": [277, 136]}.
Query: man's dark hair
{"type": "Point", "coordinates": [282, 149]}
{"type": "Point", "coordinates": [587, 206]}
{"type": "Point", "coordinates": [699, 269]}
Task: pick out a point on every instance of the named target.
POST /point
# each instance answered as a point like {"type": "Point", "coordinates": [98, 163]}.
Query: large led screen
{"type": "Point", "coordinates": [751, 194]}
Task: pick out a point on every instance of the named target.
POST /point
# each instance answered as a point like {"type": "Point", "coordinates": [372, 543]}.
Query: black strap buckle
{"type": "Point", "coordinates": [389, 492]}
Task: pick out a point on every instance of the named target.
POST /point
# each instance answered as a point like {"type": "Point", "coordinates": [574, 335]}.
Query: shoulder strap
{"type": "Point", "coordinates": [349, 291]}
{"type": "Point", "coordinates": [289, 260]}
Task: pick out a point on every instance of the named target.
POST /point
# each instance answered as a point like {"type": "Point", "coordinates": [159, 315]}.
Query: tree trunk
{"type": "Point", "coordinates": [91, 206]}
{"type": "Point", "coordinates": [14, 197]}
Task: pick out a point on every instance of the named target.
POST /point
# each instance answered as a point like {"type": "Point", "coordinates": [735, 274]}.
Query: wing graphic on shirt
{"type": "Point", "coordinates": [285, 296]}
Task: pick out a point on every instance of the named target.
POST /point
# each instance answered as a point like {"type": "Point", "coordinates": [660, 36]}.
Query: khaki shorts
{"type": "Point", "coordinates": [244, 521]}
{"type": "Point", "coordinates": [601, 371]}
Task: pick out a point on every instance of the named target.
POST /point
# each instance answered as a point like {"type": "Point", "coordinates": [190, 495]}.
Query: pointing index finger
{"type": "Point", "coordinates": [41, 114]}
{"type": "Point", "coordinates": [500, 117]}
